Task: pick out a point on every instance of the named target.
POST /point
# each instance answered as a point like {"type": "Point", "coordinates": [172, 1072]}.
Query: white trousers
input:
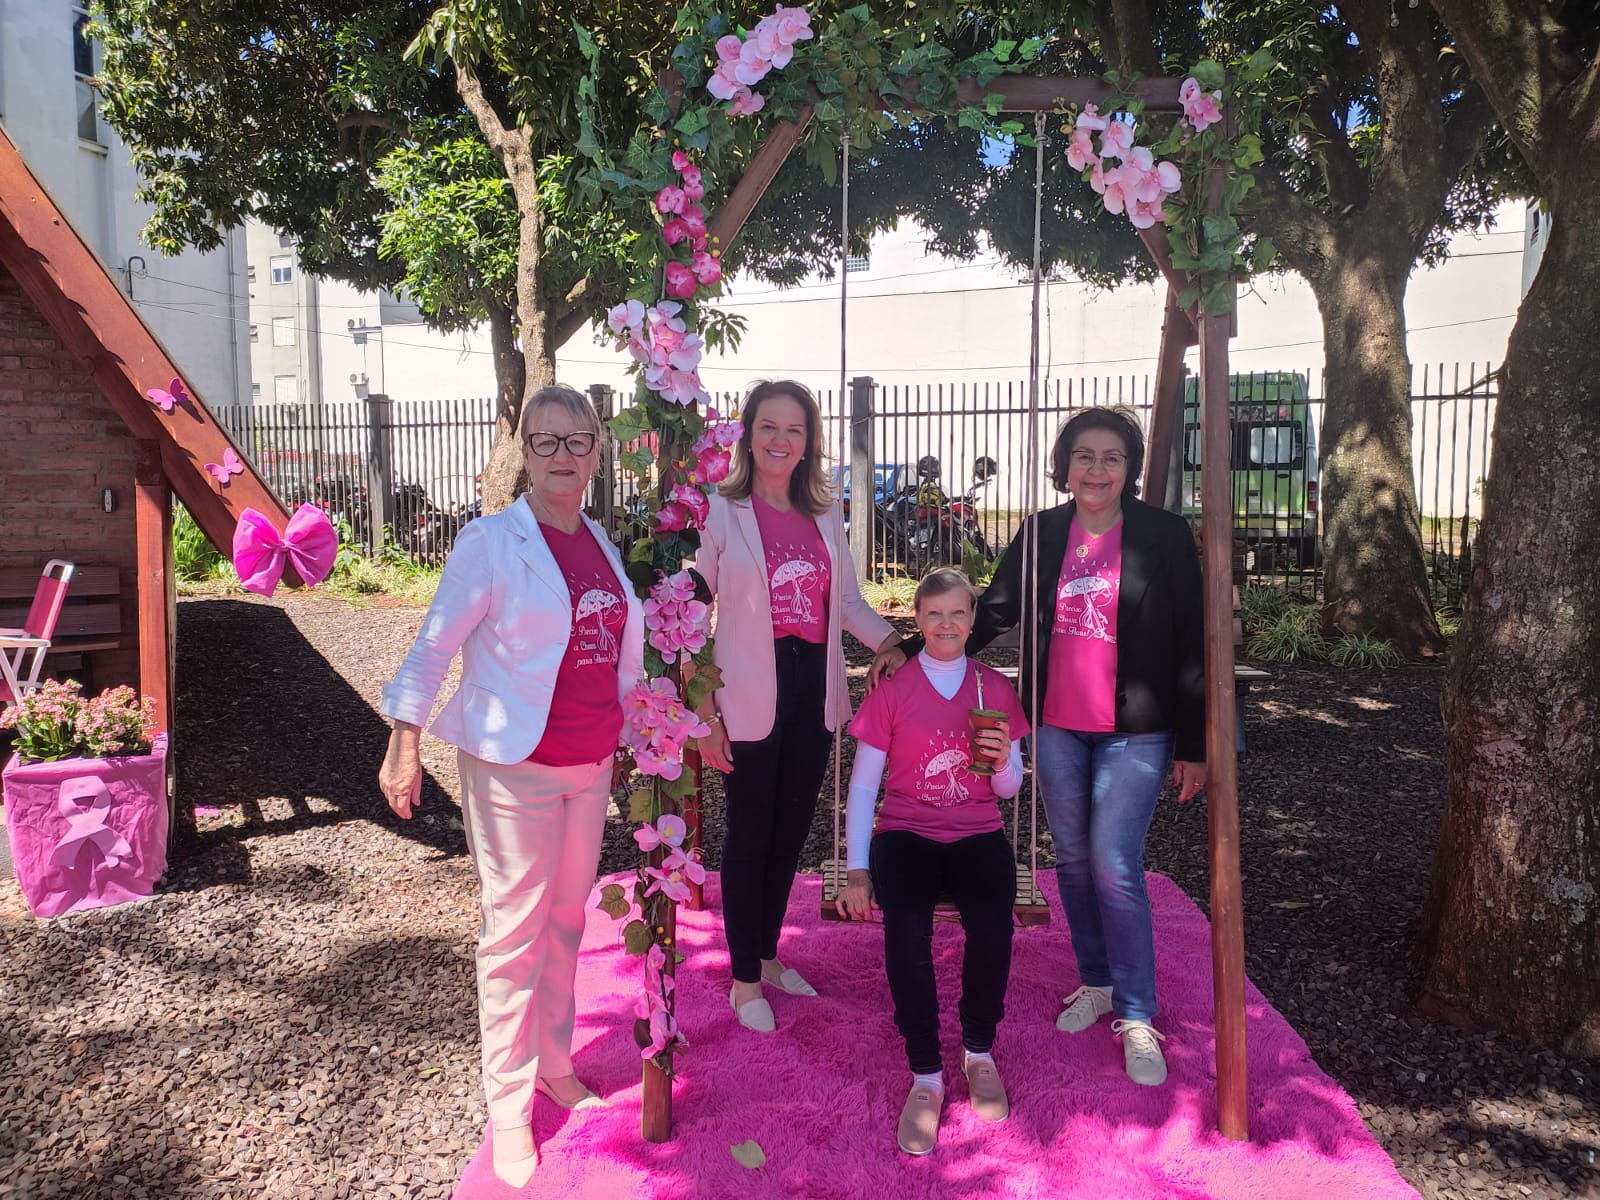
{"type": "Point", "coordinates": [534, 834]}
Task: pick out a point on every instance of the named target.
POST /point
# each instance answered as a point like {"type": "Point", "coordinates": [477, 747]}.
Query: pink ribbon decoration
{"type": "Point", "coordinates": [308, 542]}
{"type": "Point", "coordinates": [87, 826]}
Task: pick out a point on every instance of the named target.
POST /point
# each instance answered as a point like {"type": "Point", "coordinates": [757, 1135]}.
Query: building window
{"type": "Point", "coordinates": [1535, 214]}
{"type": "Point", "coordinates": [255, 333]}
{"type": "Point", "coordinates": [286, 389]}
{"type": "Point", "coordinates": [282, 268]}
{"type": "Point", "coordinates": [285, 241]}
{"type": "Point", "coordinates": [255, 390]}
{"type": "Point", "coordinates": [83, 73]}
{"type": "Point", "coordinates": [283, 331]}
{"type": "Point", "coordinates": [854, 264]}
{"type": "Point", "coordinates": [250, 272]}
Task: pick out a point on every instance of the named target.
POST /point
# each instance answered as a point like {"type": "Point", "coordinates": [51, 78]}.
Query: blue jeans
{"type": "Point", "coordinates": [1100, 791]}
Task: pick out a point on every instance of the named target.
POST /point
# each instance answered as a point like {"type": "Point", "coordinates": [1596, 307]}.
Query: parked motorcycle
{"type": "Point", "coordinates": [922, 527]}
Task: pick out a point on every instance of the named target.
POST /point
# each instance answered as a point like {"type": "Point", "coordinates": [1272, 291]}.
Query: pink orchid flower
{"type": "Point", "coordinates": [707, 269]}
{"type": "Point", "coordinates": [672, 516]}
{"type": "Point", "coordinates": [669, 830]}
{"type": "Point", "coordinates": [713, 465]}
{"type": "Point", "coordinates": [680, 281]}
{"type": "Point", "coordinates": [1144, 214]}
{"type": "Point", "coordinates": [694, 184]}
{"type": "Point", "coordinates": [663, 1032]}
{"type": "Point", "coordinates": [625, 316]}
{"type": "Point", "coordinates": [670, 200]}
{"type": "Point", "coordinates": [1199, 109]}
{"type": "Point", "coordinates": [723, 85]}
{"type": "Point", "coordinates": [746, 103]}
{"type": "Point", "coordinates": [728, 48]}
{"type": "Point", "coordinates": [693, 499]}
{"type": "Point", "coordinates": [680, 160]}
{"type": "Point", "coordinates": [1117, 140]}
{"type": "Point", "coordinates": [675, 231]}
{"type": "Point", "coordinates": [1080, 150]}
{"type": "Point", "coordinates": [694, 220]}
{"type": "Point", "coordinates": [1091, 119]}
{"type": "Point", "coordinates": [1169, 176]}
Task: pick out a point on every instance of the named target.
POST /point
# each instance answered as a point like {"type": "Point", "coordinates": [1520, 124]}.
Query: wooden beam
{"type": "Point", "coordinates": [1222, 763]}
{"type": "Point", "coordinates": [1166, 419]}
{"type": "Point", "coordinates": [152, 521]}
{"type": "Point", "coordinates": [74, 292]}
{"type": "Point", "coordinates": [757, 177]}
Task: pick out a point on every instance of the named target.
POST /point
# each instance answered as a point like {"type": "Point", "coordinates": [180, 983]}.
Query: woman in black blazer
{"type": "Point", "coordinates": [1113, 680]}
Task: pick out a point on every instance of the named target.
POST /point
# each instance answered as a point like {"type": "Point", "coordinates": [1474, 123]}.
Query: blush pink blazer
{"type": "Point", "coordinates": [734, 565]}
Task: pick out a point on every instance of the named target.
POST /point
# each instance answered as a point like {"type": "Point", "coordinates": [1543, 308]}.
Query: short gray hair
{"type": "Point", "coordinates": [945, 579]}
{"type": "Point", "coordinates": [560, 396]}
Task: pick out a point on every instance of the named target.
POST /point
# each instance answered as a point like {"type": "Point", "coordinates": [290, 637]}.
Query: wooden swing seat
{"type": "Point", "coordinates": [1029, 909]}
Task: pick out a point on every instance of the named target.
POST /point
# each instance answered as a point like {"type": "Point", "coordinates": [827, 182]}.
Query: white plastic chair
{"type": "Point", "coordinates": [22, 650]}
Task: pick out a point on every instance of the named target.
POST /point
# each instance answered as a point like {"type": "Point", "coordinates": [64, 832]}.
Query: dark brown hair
{"type": "Point", "coordinates": [1118, 421]}
{"type": "Point", "coordinates": [809, 488]}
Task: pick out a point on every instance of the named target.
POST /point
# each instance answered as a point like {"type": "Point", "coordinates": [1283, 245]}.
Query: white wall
{"type": "Point", "coordinates": [194, 303]}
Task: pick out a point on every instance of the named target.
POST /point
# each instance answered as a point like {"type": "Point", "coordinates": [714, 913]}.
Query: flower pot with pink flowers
{"type": "Point", "coordinates": [85, 798]}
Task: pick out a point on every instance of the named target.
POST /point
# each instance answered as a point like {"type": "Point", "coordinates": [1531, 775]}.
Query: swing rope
{"type": "Point", "coordinates": [1030, 906]}
{"type": "Point", "coordinates": [834, 588]}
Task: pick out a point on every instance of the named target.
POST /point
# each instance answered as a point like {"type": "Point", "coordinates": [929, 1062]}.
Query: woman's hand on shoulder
{"type": "Point", "coordinates": [887, 661]}
{"type": "Point", "coordinates": [855, 899]}
{"type": "Point", "coordinates": [1189, 778]}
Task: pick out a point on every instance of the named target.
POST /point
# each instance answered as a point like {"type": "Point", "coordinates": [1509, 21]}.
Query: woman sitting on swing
{"type": "Point", "coordinates": [939, 833]}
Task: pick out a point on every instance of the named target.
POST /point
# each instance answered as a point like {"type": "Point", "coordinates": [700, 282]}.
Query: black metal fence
{"type": "Point", "coordinates": [954, 467]}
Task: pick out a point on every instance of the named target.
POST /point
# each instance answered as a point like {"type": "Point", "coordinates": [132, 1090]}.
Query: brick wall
{"type": "Point", "coordinates": [61, 443]}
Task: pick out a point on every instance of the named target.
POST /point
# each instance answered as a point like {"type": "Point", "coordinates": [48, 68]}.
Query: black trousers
{"type": "Point", "coordinates": [771, 797]}
{"type": "Point", "coordinates": [909, 872]}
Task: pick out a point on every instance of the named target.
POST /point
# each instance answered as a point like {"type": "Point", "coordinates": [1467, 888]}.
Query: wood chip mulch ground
{"type": "Point", "coordinates": [293, 1016]}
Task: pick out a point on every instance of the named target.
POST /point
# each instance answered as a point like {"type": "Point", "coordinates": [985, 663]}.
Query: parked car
{"type": "Point", "coordinates": [1276, 476]}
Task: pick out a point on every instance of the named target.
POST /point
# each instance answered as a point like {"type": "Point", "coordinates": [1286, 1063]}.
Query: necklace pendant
{"type": "Point", "coordinates": [1082, 551]}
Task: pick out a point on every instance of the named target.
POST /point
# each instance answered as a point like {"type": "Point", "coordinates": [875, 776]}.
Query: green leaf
{"type": "Point", "coordinates": [1258, 66]}
{"type": "Point", "coordinates": [630, 424]}
{"type": "Point", "coordinates": [692, 121]}
{"type": "Point", "coordinates": [680, 788]}
{"type": "Point", "coordinates": [1265, 254]}
{"type": "Point", "coordinates": [587, 145]}
{"type": "Point", "coordinates": [749, 1155]}
{"type": "Point", "coordinates": [614, 901]}
{"type": "Point", "coordinates": [637, 460]}
{"type": "Point", "coordinates": [641, 805]}
{"type": "Point", "coordinates": [1209, 75]}
{"type": "Point", "coordinates": [586, 44]}
{"type": "Point", "coordinates": [636, 937]}
{"type": "Point", "coordinates": [1003, 49]}
{"type": "Point", "coordinates": [1218, 230]}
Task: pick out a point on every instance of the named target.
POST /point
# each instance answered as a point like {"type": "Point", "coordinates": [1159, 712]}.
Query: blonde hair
{"type": "Point", "coordinates": [809, 488]}
{"type": "Point", "coordinates": [559, 396]}
{"type": "Point", "coordinates": [937, 583]}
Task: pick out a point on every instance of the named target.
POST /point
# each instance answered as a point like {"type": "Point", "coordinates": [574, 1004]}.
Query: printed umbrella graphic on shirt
{"type": "Point", "coordinates": [949, 763]}
{"type": "Point", "coordinates": [598, 600]}
{"type": "Point", "coordinates": [793, 572]}
{"type": "Point", "coordinates": [1097, 593]}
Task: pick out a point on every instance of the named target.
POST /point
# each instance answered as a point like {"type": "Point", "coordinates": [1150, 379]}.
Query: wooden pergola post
{"type": "Point", "coordinates": [1035, 94]}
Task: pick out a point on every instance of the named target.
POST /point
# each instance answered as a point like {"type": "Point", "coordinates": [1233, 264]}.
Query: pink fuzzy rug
{"type": "Point", "coordinates": [822, 1096]}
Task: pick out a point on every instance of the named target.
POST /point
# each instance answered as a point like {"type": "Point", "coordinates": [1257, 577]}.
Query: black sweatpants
{"type": "Point", "coordinates": [771, 797]}
{"type": "Point", "coordinates": [909, 872]}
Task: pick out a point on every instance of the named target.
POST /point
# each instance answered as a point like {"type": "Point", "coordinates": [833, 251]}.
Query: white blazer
{"type": "Point", "coordinates": [503, 602]}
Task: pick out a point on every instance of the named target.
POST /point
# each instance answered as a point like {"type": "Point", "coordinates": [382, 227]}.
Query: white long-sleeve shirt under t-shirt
{"type": "Point", "coordinates": [866, 777]}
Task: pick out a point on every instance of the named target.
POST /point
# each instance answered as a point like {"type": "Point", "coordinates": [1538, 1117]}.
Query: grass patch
{"type": "Point", "coordinates": [1364, 650]}
{"type": "Point", "coordinates": [388, 572]}
{"type": "Point", "coordinates": [897, 591]}
{"type": "Point", "coordinates": [1261, 605]}
{"type": "Point", "coordinates": [1295, 635]}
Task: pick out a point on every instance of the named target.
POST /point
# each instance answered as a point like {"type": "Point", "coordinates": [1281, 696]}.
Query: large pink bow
{"type": "Point", "coordinates": [87, 826]}
{"type": "Point", "coordinates": [308, 542]}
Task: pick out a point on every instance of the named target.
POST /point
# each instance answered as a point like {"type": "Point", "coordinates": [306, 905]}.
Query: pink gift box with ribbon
{"type": "Point", "coordinates": [87, 832]}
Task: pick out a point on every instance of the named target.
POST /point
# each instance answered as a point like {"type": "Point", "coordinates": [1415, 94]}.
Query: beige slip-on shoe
{"type": "Point", "coordinates": [788, 980]}
{"type": "Point", "coordinates": [919, 1120]}
{"type": "Point", "coordinates": [754, 1014]}
{"type": "Point", "coordinates": [987, 1091]}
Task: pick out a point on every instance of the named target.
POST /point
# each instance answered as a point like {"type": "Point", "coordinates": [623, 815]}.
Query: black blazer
{"type": "Point", "coordinates": [1160, 644]}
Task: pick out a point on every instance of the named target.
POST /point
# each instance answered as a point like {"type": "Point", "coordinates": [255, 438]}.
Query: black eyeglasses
{"type": "Point", "coordinates": [546, 444]}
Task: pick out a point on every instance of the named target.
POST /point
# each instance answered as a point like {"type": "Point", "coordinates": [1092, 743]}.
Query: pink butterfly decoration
{"type": "Point", "coordinates": [169, 397]}
{"type": "Point", "coordinates": [229, 466]}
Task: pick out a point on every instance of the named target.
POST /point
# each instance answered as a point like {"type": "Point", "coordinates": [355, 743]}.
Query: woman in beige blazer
{"type": "Point", "coordinates": [775, 557]}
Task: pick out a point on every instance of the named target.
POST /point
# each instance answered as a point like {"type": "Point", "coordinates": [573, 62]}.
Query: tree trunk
{"type": "Point", "coordinates": [1511, 930]}
{"type": "Point", "coordinates": [1374, 580]}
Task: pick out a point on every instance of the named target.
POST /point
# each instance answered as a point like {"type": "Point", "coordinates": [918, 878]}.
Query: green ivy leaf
{"type": "Point", "coordinates": [1264, 255]}
{"type": "Point", "coordinates": [1003, 49]}
{"type": "Point", "coordinates": [630, 424]}
{"type": "Point", "coordinates": [636, 937]}
{"type": "Point", "coordinates": [692, 121]}
{"type": "Point", "coordinates": [1209, 75]}
{"type": "Point", "coordinates": [614, 901]}
{"type": "Point", "coordinates": [637, 460]}
{"type": "Point", "coordinates": [641, 805]}
{"type": "Point", "coordinates": [680, 788]}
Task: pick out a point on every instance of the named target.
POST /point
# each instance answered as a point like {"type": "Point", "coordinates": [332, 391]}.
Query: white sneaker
{"type": "Point", "coordinates": [1083, 1008]}
{"type": "Point", "coordinates": [1141, 1053]}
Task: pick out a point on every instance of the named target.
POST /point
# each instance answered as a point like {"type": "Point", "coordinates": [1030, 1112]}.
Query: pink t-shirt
{"type": "Point", "coordinates": [797, 572]}
{"type": "Point", "coordinates": [927, 788]}
{"type": "Point", "coordinates": [585, 712]}
{"type": "Point", "coordinates": [1082, 689]}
